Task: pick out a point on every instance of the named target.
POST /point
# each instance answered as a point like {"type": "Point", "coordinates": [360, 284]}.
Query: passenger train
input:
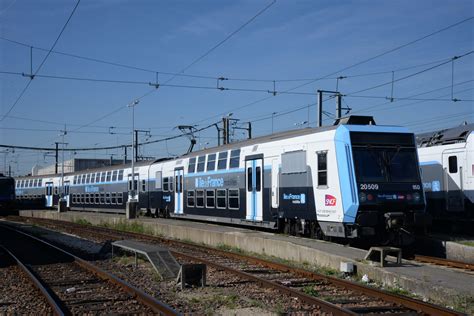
{"type": "Point", "coordinates": [447, 163]}
{"type": "Point", "coordinates": [352, 180]}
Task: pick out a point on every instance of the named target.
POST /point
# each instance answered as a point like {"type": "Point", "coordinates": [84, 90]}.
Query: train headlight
{"type": "Point", "coordinates": [362, 197]}
{"type": "Point", "coordinates": [416, 197]}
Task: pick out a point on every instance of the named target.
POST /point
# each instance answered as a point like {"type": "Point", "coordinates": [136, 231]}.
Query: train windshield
{"type": "Point", "coordinates": [385, 164]}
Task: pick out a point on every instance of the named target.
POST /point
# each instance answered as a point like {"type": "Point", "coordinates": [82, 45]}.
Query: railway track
{"type": "Point", "coordinates": [329, 294]}
{"type": "Point", "coordinates": [445, 262]}
{"type": "Point", "coordinates": [72, 285]}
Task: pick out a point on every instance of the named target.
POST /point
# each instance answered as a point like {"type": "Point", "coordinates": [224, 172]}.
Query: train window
{"type": "Point", "coordinates": [109, 174]}
{"type": "Point", "coordinates": [102, 177]}
{"type": "Point", "coordinates": [249, 179]}
{"type": "Point", "coordinates": [97, 177]}
{"type": "Point", "coordinates": [114, 175]}
{"type": "Point", "coordinates": [40, 182]}
{"type": "Point", "coordinates": [191, 198]}
{"type": "Point", "coordinates": [211, 162]}
{"type": "Point", "coordinates": [322, 169]}
{"type": "Point", "coordinates": [74, 181]}
{"type": "Point", "coordinates": [93, 178]}
{"type": "Point", "coordinates": [143, 185]}
{"type": "Point", "coordinates": [158, 180]}
{"type": "Point", "coordinates": [210, 198]}
{"type": "Point", "coordinates": [56, 191]}
{"type": "Point", "coordinates": [234, 158]}
{"type": "Point", "coordinates": [199, 198]}
{"type": "Point", "coordinates": [222, 161]}
{"type": "Point", "coordinates": [102, 198]}
{"type": "Point", "coordinates": [258, 175]}
{"type": "Point", "coordinates": [120, 175]}
{"type": "Point", "coordinates": [171, 183]}
{"type": "Point", "coordinates": [221, 198]}
{"type": "Point", "coordinates": [165, 184]}
{"type": "Point", "coordinates": [107, 198]}
{"type": "Point", "coordinates": [233, 199]}
{"type": "Point", "coordinates": [114, 198]}
{"type": "Point", "coordinates": [119, 198]}
{"type": "Point", "coordinates": [453, 164]}
{"type": "Point", "coordinates": [192, 165]}
{"type": "Point", "coordinates": [88, 178]}
{"type": "Point", "coordinates": [201, 163]}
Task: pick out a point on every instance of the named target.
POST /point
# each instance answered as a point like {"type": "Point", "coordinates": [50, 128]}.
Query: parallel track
{"type": "Point", "coordinates": [391, 303]}
{"type": "Point", "coordinates": [445, 262]}
{"type": "Point", "coordinates": [81, 268]}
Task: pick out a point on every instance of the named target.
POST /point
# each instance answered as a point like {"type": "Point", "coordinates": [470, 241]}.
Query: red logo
{"type": "Point", "coordinates": [329, 200]}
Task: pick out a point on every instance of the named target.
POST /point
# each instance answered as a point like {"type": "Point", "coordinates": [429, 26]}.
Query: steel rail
{"type": "Point", "coordinates": [325, 306]}
{"type": "Point", "coordinates": [151, 302]}
{"type": "Point", "coordinates": [445, 262]}
{"type": "Point", "coordinates": [57, 310]}
{"type": "Point", "coordinates": [417, 305]}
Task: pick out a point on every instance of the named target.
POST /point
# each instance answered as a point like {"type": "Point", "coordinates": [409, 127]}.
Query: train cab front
{"type": "Point", "coordinates": [389, 187]}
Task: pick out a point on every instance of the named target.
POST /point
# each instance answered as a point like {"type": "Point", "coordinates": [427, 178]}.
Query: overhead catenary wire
{"type": "Point", "coordinates": [243, 89]}
{"type": "Point", "coordinates": [344, 68]}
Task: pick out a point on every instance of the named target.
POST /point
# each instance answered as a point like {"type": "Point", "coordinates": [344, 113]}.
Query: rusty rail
{"type": "Point", "coordinates": [445, 262]}
{"type": "Point", "coordinates": [57, 310]}
{"type": "Point", "coordinates": [157, 306]}
{"type": "Point", "coordinates": [417, 305]}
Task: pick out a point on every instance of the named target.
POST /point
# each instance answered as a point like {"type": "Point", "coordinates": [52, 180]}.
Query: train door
{"type": "Point", "coordinates": [133, 187]}
{"type": "Point", "coordinates": [49, 194]}
{"type": "Point", "coordinates": [453, 162]}
{"type": "Point", "coordinates": [66, 192]}
{"type": "Point", "coordinates": [178, 191]}
{"type": "Point", "coordinates": [254, 189]}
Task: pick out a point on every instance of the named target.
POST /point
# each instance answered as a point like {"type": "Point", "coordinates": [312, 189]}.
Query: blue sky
{"type": "Point", "coordinates": [290, 40]}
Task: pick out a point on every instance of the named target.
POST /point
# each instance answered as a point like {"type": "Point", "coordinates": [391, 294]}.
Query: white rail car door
{"type": "Point", "coordinates": [454, 162]}
{"type": "Point", "coordinates": [49, 194]}
{"type": "Point", "coordinates": [178, 191]}
{"type": "Point", "coordinates": [254, 189]}
{"type": "Point", "coordinates": [66, 192]}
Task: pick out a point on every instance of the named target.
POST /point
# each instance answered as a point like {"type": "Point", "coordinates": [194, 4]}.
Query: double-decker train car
{"type": "Point", "coordinates": [7, 195]}
{"type": "Point", "coordinates": [447, 163]}
{"type": "Point", "coordinates": [351, 180]}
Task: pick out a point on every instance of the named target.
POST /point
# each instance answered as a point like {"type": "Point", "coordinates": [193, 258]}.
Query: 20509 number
{"type": "Point", "coordinates": [369, 186]}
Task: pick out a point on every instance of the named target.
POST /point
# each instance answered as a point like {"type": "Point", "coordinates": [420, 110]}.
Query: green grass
{"type": "Point", "coordinates": [310, 290]}
{"type": "Point", "coordinates": [228, 248]}
{"type": "Point", "coordinates": [82, 221]}
{"type": "Point", "coordinates": [126, 226]}
{"type": "Point", "coordinates": [466, 243]}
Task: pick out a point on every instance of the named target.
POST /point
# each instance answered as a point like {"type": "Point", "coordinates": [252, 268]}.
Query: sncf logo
{"type": "Point", "coordinates": [329, 200]}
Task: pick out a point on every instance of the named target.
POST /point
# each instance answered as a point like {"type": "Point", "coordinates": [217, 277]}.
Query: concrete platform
{"type": "Point", "coordinates": [442, 285]}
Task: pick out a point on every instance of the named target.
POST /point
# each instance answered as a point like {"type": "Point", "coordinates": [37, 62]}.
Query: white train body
{"type": "Point", "coordinates": [348, 180]}
{"type": "Point", "coordinates": [447, 163]}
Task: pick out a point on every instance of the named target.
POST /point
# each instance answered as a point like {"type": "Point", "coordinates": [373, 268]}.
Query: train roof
{"type": "Point", "coordinates": [458, 134]}
{"type": "Point", "coordinates": [349, 120]}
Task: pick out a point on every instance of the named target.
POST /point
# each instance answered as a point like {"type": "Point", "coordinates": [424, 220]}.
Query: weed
{"type": "Point", "coordinates": [228, 248]}
{"type": "Point", "coordinates": [310, 290]}
{"type": "Point", "coordinates": [82, 221]}
{"type": "Point", "coordinates": [466, 243]}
